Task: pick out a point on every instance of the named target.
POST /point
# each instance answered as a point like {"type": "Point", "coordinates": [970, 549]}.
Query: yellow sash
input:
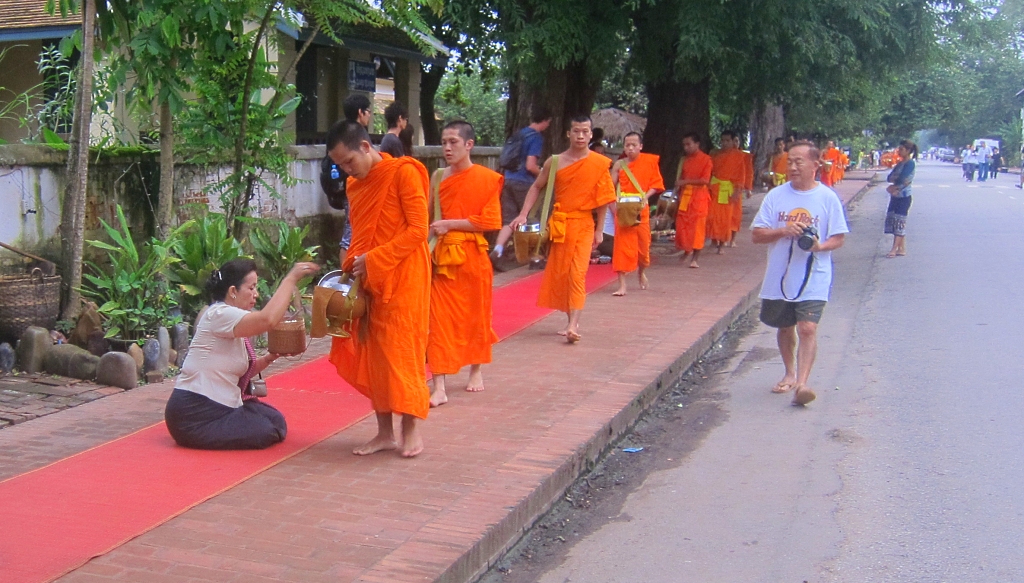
{"type": "Point", "coordinates": [725, 190]}
{"type": "Point", "coordinates": [449, 254]}
{"type": "Point", "coordinates": [684, 197]}
{"type": "Point", "coordinates": [559, 220]}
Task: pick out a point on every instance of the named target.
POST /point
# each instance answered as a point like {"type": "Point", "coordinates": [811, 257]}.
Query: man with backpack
{"type": "Point", "coordinates": [520, 163]}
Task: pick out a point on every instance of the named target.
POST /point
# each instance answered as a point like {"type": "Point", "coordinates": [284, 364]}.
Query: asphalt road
{"type": "Point", "coordinates": [907, 467]}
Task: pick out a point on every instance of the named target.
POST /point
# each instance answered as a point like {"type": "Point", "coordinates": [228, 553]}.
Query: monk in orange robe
{"type": "Point", "coordinates": [844, 161]}
{"type": "Point", "coordinates": [728, 180]}
{"type": "Point", "coordinates": [831, 160]}
{"type": "Point", "coordinates": [582, 185]}
{"type": "Point", "coordinates": [737, 203]}
{"type": "Point", "coordinates": [460, 291]}
{"type": "Point", "coordinates": [632, 249]}
{"type": "Point", "coordinates": [780, 159]}
{"type": "Point", "coordinates": [385, 358]}
{"type": "Point", "coordinates": [694, 199]}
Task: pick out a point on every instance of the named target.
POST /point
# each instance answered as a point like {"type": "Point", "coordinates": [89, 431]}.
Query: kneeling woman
{"type": "Point", "coordinates": [211, 407]}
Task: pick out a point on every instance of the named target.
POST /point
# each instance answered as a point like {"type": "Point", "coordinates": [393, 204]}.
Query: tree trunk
{"type": "Point", "coordinates": [430, 81]}
{"type": "Point", "coordinates": [73, 211]}
{"type": "Point", "coordinates": [566, 92]}
{"type": "Point", "coordinates": [767, 122]}
{"type": "Point", "coordinates": [676, 108]}
{"type": "Point", "coordinates": [165, 200]}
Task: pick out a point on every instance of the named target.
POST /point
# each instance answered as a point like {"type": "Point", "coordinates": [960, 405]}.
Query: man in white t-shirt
{"type": "Point", "coordinates": [802, 222]}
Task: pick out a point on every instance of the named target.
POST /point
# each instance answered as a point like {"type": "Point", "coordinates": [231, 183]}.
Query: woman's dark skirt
{"type": "Point", "coordinates": [896, 216]}
{"type": "Point", "coordinates": [199, 422]}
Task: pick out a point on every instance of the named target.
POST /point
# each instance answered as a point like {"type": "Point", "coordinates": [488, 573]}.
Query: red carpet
{"type": "Point", "coordinates": [56, 518]}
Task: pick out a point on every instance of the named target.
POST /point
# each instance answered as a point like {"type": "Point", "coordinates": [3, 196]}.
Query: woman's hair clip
{"type": "Point", "coordinates": [217, 275]}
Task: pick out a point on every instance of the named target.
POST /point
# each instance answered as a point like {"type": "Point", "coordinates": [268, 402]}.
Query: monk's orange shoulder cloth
{"type": "Point", "coordinates": [474, 195]}
{"type": "Point", "coordinates": [730, 165]}
{"type": "Point", "coordinates": [460, 295]}
{"type": "Point", "coordinates": [388, 211]}
{"type": "Point", "coordinates": [780, 163]}
{"type": "Point", "coordinates": [647, 171]}
{"type": "Point", "coordinates": [585, 185]}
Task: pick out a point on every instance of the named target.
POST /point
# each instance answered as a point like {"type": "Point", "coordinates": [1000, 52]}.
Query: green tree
{"type": "Point", "coordinates": [482, 103]}
{"type": "Point", "coordinates": [751, 54]}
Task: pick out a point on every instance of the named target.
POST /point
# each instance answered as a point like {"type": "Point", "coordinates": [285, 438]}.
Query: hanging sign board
{"type": "Point", "coordinates": [362, 76]}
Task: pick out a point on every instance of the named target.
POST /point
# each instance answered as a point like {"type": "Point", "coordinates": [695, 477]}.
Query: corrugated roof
{"type": "Point", "coordinates": [21, 14]}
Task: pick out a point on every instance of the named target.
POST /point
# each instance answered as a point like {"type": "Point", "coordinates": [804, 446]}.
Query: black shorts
{"type": "Point", "coordinates": [513, 195]}
{"type": "Point", "coordinates": [783, 314]}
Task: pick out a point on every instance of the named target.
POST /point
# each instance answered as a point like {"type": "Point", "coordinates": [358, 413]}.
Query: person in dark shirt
{"type": "Point", "coordinates": [518, 183]}
{"type": "Point", "coordinates": [397, 117]}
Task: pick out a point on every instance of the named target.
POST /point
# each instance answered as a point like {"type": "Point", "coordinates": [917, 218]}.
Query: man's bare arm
{"type": "Point", "coordinates": [531, 165]}
{"type": "Point", "coordinates": [531, 197]}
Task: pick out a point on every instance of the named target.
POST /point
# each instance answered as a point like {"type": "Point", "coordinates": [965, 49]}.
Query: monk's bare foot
{"type": "Point", "coordinates": [693, 265]}
{"type": "Point", "coordinates": [803, 396]}
{"type": "Point", "coordinates": [719, 249]}
{"type": "Point", "coordinates": [376, 444]}
{"type": "Point", "coordinates": [476, 381]}
{"type": "Point", "coordinates": [438, 397]}
{"type": "Point", "coordinates": [562, 332]}
{"type": "Point", "coordinates": [733, 243]}
{"type": "Point", "coordinates": [572, 337]}
{"type": "Point", "coordinates": [643, 281]}
{"type": "Point", "coordinates": [412, 441]}
{"type": "Point", "coordinates": [617, 293]}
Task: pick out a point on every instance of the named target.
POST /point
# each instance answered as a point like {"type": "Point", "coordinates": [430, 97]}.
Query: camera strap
{"type": "Point", "coordinates": [807, 274]}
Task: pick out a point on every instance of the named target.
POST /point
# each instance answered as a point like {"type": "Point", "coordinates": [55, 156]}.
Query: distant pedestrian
{"type": "Point", "coordinates": [802, 222]}
{"type": "Point", "coordinates": [984, 155]}
{"type": "Point", "coordinates": [970, 162]}
{"type": "Point", "coordinates": [397, 117]}
{"type": "Point", "coordinates": [995, 164]}
{"type": "Point", "coordinates": [522, 153]}
{"type": "Point", "coordinates": [899, 198]}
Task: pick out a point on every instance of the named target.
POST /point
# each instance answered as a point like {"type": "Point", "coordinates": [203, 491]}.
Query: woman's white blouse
{"type": "Point", "coordinates": [216, 359]}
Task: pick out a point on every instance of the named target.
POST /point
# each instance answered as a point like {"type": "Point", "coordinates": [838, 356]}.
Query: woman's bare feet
{"type": "Point", "coordinates": [412, 441]}
{"type": "Point", "coordinates": [803, 395]}
{"type": "Point", "coordinates": [476, 379]}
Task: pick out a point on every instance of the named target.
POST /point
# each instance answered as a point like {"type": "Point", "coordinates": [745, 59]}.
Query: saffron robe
{"type": "Point", "coordinates": [737, 202]}
{"type": "Point", "coordinates": [460, 291]}
{"type": "Point", "coordinates": [579, 189]}
{"type": "Point", "coordinates": [692, 219]}
{"type": "Point", "coordinates": [388, 210]}
{"type": "Point", "coordinates": [832, 159]}
{"type": "Point", "coordinates": [633, 244]}
{"type": "Point", "coordinates": [780, 165]}
{"type": "Point", "coordinates": [727, 166]}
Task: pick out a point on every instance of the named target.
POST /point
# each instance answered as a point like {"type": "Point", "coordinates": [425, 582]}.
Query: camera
{"type": "Point", "coordinates": [807, 238]}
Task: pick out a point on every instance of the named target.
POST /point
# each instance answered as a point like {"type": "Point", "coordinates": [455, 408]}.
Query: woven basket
{"type": "Point", "coordinates": [28, 300]}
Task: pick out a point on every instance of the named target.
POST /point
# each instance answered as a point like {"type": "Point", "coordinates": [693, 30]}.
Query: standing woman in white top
{"type": "Point", "coordinates": [211, 407]}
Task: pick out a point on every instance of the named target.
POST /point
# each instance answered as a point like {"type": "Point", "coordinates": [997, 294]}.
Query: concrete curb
{"type": "Point", "coordinates": [504, 535]}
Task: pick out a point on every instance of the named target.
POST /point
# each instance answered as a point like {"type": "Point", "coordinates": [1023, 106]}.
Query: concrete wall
{"type": "Point", "coordinates": [32, 182]}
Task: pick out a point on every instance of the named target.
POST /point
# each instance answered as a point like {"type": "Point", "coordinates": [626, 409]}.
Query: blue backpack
{"type": "Point", "coordinates": [512, 158]}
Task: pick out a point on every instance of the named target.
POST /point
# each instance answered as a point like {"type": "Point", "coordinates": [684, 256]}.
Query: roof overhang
{"type": "Point", "coordinates": [440, 56]}
{"type": "Point", "coordinates": [37, 33]}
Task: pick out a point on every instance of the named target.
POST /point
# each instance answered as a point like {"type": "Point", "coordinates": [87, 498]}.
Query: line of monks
{"type": "Point", "coordinates": [422, 262]}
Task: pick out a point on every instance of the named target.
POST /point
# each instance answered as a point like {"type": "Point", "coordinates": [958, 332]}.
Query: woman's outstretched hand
{"type": "Point", "coordinates": [301, 270]}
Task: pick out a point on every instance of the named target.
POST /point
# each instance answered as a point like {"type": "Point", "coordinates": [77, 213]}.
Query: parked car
{"type": "Point", "coordinates": [947, 155]}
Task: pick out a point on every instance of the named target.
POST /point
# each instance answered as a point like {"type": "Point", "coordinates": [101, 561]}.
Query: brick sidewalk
{"type": "Point", "coordinates": [494, 461]}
